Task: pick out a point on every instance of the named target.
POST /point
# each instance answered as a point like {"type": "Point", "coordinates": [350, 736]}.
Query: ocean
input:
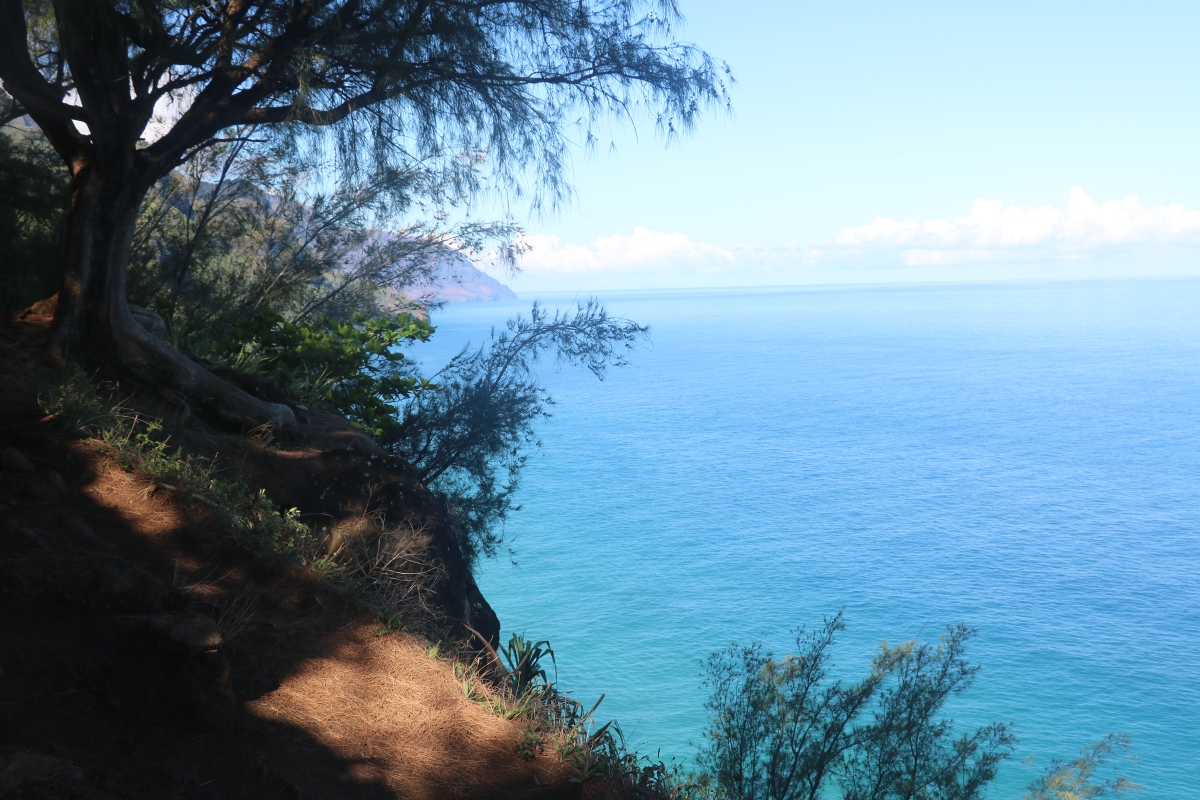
{"type": "Point", "coordinates": [1023, 457]}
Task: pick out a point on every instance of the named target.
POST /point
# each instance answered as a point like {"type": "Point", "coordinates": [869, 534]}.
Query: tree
{"type": "Point", "coordinates": [398, 83]}
{"type": "Point", "coordinates": [470, 433]}
{"type": "Point", "coordinates": [468, 429]}
{"type": "Point", "coordinates": [780, 729]}
{"type": "Point", "coordinates": [239, 229]}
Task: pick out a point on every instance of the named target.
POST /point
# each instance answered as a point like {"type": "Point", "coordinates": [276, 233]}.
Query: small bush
{"type": "Point", "coordinates": [77, 406]}
{"type": "Point", "coordinates": [524, 661]}
{"type": "Point", "coordinates": [523, 690]}
{"type": "Point", "coordinates": [352, 366]}
{"type": "Point", "coordinates": [528, 744]}
{"type": "Point", "coordinates": [394, 573]}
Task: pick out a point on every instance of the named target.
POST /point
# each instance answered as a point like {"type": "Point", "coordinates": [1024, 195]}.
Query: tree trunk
{"type": "Point", "coordinates": [93, 325]}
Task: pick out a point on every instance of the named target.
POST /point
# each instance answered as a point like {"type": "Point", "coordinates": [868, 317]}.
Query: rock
{"type": "Point", "coordinates": [458, 280]}
{"type": "Point", "coordinates": [15, 528]}
{"type": "Point", "coordinates": [130, 588]}
{"type": "Point", "coordinates": [25, 768]}
{"type": "Point", "coordinates": [83, 533]}
{"type": "Point", "coordinates": [192, 635]}
{"type": "Point", "coordinates": [44, 490]}
{"type": "Point", "coordinates": [13, 460]}
{"type": "Point", "coordinates": [56, 481]}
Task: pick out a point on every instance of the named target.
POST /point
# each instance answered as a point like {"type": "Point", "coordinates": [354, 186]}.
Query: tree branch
{"type": "Point", "coordinates": [41, 100]}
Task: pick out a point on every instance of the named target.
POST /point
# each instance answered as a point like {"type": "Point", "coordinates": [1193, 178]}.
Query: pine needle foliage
{"type": "Point", "coordinates": [389, 84]}
{"type": "Point", "coordinates": [244, 225]}
{"type": "Point", "coordinates": [471, 433]}
{"type": "Point", "coordinates": [782, 729]}
{"type": "Point", "coordinates": [1082, 778]}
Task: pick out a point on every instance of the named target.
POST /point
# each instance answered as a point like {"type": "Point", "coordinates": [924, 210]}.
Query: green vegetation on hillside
{"type": "Point", "coordinates": [285, 301]}
{"type": "Point", "coordinates": [34, 187]}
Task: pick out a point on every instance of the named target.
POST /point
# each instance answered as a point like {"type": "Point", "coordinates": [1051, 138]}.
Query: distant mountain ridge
{"type": "Point", "coordinates": [457, 280]}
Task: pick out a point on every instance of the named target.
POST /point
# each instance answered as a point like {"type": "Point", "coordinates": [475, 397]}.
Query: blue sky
{"type": "Point", "coordinates": [876, 142]}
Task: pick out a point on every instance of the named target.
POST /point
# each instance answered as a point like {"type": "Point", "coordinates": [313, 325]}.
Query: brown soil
{"type": "Point", "coordinates": [109, 586]}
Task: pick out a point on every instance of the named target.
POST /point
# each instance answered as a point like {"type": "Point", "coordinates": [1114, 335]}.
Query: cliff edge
{"type": "Point", "coordinates": [155, 645]}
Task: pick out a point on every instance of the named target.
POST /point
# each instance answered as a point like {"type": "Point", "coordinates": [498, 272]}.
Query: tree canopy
{"type": "Point", "coordinates": [472, 92]}
{"type": "Point", "coordinates": [781, 729]}
{"type": "Point", "coordinates": [397, 79]}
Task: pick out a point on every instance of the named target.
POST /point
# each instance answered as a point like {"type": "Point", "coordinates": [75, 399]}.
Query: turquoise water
{"type": "Point", "coordinates": [1022, 457]}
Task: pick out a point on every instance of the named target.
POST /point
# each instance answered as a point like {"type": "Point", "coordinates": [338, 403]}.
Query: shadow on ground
{"type": "Point", "coordinates": [144, 654]}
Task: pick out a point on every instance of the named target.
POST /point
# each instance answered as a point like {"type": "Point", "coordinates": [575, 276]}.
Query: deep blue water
{"type": "Point", "coordinates": [1022, 457]}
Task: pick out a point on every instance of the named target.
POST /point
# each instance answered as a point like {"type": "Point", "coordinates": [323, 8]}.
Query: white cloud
{"type": "Point", "coordinates": [1082, 238]}
{"type": "Point", "coordinates": [644, 250]}
{"type": "Point", "coordinates": [993, 231]}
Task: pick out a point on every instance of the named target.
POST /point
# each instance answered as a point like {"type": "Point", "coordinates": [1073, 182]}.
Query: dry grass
{"type": "Point", "coordinates": [403, 717]}
{"type": "Point", "coordinates": [395, 570]}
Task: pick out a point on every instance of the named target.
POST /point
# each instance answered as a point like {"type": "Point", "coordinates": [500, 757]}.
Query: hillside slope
{"type": "Point", "coordinates": [457, 280]}
{"type": "Point", "coordinates": [149, 650]}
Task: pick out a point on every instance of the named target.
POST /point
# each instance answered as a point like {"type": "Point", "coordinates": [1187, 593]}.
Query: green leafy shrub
{"type": "Point", "coordinates": [279, 530]}
{"type": "Point", "coordinates": [75, 405]}
{"type": "Point", "coordinates": [528, 743]}
{"type": "Point", "coordinates": [352, 366]}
